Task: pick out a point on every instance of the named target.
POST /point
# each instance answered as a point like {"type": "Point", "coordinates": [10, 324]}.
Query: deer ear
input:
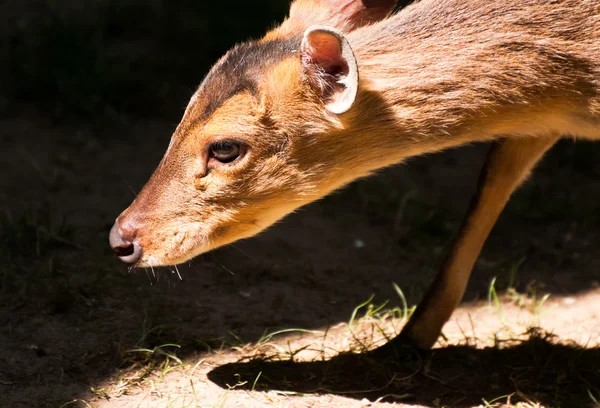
{"type": "Point", "coordinates": [330, 66]}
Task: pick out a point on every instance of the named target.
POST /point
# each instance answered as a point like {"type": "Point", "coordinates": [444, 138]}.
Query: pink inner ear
{"type": "Point", "coordinates": [325, 51]}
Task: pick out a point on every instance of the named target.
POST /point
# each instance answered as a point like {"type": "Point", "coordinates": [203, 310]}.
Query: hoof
{"type": "Point", "coordinates": [399, 349]}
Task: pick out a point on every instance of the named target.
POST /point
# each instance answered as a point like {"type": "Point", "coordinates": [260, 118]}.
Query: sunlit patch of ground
{"type": "Point", "coordinates": [76, 326]}
{"type": "Point", "coordinates": [508, 352]}
{"type": "Point", "coordinates": [76, 329]}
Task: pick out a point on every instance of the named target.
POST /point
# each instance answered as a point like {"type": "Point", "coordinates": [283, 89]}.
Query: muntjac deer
{"type": "Point", "coordinates": [340, 90]}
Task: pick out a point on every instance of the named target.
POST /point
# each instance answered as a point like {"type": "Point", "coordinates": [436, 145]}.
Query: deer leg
{"type": "Point", "coordinates": [508, 164]}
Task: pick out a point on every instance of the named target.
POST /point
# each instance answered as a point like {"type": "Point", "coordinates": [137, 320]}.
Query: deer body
{"type": "Point", "coordinates": [339, 91]}
{"type": "Point", "coordinates": [450, 72]}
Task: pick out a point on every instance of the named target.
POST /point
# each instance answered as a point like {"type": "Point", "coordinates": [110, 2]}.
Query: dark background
{"type": "Point", "coordinates": [112, 57]}
{"type": "Point", "coordinates": [90, 92]}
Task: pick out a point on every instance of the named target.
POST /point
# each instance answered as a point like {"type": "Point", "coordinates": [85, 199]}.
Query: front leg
{"type": "Point", "coordinates": [508, 164]}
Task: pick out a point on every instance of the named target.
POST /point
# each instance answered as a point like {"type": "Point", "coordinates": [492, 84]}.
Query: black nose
{"type": "Point", "coordinates": [127, 250]}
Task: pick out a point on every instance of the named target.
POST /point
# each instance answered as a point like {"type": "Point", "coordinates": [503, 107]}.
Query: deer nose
{"type": "Point", "coordinates": [122, 243]}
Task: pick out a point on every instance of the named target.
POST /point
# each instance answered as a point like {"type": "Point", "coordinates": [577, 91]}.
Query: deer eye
{"type": "Point", "coordinates": [225, 152]}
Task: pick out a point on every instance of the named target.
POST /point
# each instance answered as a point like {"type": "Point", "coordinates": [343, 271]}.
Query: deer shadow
{"type": "Point", "coordinates": [536, 371]}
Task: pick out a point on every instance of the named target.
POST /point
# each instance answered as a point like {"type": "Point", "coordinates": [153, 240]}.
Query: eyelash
{"type": "Point", "coordinates": [225, 152]}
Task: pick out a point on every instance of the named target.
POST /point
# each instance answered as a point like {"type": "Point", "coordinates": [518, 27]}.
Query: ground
{"type": "Point", "coordinates": [263, 322]}
{"type": "Point", "coordinates": [91, 92]}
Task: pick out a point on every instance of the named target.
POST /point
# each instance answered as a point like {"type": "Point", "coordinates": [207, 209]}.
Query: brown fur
{"type": "Point", "coordinates": [345, 15]}
{"type": "Point", "coordinates": [440, 73]}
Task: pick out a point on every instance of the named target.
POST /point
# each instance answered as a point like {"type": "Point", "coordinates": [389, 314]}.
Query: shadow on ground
{"type": "Point", "coordinates": [69, 315]}
{"type": "Point", "coordinates": [457, 376]}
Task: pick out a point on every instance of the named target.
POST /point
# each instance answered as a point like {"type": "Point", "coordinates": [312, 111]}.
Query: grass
{"type": "Point", "coordinates": [382, 322]}
{"type": "Point", "coordinates": [109, 59]}
{"type": "Point", "coordinates": [529, 358]}
{"type": "Point", "coordinates": [535, 369]}
{"type": "Point", "coordinates": [155, 356]}
{"type": "Point", "coordinates": [296, 363]}
{"type": "Point", "coordinates": [530, 300]}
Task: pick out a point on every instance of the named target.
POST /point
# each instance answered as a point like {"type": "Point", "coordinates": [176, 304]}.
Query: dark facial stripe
{"type": "Point", "coordinates": [240, 71]}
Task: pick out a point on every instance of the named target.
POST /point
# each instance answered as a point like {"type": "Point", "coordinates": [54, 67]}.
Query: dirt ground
{"type": "Point", "coordinates": [77, 329]}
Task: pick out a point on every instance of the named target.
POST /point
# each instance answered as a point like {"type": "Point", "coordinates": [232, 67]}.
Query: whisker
{"type": "Point", "coordinates": [221, 265]}
{"type": "Point", "coordinates": [131, 188]}
{"type": "Point", "coordinates": [178, 273]}
{"type": "Point", "coordinates": [148, 275]}
{"type": "Point", "coordinates": [246, 254]}
{"type": "Point", "coordinates": [227, 269]}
